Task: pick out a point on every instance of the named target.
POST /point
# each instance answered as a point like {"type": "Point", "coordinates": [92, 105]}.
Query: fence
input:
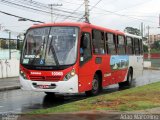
{"type": "Point", "coordinates": [10, 48]}
{"type": "Point", "coordinates": [154, 58]}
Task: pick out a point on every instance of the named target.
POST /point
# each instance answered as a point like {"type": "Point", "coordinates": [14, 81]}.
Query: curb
{"type": "Point", "coordinates": [10, 88]}
{"type": "Point", "coordinates": [151, 68]}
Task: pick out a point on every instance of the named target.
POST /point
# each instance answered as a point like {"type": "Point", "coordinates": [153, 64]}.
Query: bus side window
{"type": "Point", "coordinates": [136, 46]}
{"type": "Point", "coordinates": [110, 43]}
{"type": "Point", "coordinates": [85, 47]}
{"type": "Point", "coordinates": [129, 46]}
{"type": "Point", "coordinates": [141, 46]}
{"type": "Point", "coordinates": [98, 42]}
{"type": "Point", "coordinates": [121, 45]}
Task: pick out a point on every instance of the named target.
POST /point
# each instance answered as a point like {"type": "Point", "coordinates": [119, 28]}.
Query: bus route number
{"type": "Point", "coordinates": [57, 73]}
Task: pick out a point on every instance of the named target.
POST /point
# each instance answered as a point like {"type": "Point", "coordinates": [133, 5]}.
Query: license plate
{"type": "Point", "coordinates": [43, 86]}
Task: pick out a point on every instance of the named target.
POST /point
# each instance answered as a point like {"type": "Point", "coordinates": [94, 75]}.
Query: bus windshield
{"type": "Point", "coordinates": [50, 46]}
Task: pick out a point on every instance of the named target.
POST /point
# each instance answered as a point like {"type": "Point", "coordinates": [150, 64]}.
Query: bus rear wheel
{"type": "Point", "coordinates": [50, 94]}
{"type": "Point", "coordinates": [127, 83]}
{"type": "Point", "coordinates": [95, 86]}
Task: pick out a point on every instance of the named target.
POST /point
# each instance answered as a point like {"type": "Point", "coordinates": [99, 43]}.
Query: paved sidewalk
{"type": "Point", "coordinates": [9, 83]}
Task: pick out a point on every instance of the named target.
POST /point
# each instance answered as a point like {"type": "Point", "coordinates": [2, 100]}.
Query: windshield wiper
{"type": "Point", "coordinates": [53, 52]}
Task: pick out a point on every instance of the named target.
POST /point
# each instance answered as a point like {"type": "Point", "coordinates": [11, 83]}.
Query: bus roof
{"type": "Point", "coordinates": [78, 24]}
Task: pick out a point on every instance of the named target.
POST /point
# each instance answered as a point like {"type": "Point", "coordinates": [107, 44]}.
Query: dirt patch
{"type": "Point", "coordinates": [109, 104]}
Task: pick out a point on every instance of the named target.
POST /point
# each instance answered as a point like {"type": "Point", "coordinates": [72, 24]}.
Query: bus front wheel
{"type": "Point", "coordinates": [95, 86]}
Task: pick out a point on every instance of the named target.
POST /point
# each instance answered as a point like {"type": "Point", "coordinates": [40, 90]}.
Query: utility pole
{"type": "Point", "coordinates": [159, 20]}
{"type": "Point", "coordinates": [9, 41]}
{"type": "Point", "coordinates": [149, 47]}
{"type": "Point", "coordinates": [51, 7]}
{"type": "Point", "coordinates": [9, 44]}
{"type": "Point", "coordinates": [86, 11]}
{"type": "Point", "coordinates": [142, 29]}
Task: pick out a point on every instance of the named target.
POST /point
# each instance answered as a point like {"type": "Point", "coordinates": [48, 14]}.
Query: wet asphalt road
{"type": "Point", "coordinates": [18, 101]}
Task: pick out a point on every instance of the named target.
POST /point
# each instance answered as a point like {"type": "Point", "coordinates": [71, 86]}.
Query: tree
{"type": "Point", "coordinates": [156, 45]}
{"type": "Point", "coordinates": [12, 45]}
{"type": "Point", "coordinates": [145, 48]}
{"type": "Point", "coordinates": [132, 30]}
{"type": "Point", "coordinates": [3, 44]}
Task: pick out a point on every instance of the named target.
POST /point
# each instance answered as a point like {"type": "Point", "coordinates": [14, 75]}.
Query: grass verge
{"type": "Point", "coordinates": [139, 98]}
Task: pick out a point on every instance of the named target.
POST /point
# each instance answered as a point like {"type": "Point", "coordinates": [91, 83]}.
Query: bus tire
{"type": "Point", "coordinates": [95, 86]}
{"type": "Point", "coordinates": [127, 83]}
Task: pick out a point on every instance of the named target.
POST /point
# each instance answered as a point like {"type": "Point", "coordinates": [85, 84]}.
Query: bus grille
{"type": "Point", "coordinates": [45, 78]}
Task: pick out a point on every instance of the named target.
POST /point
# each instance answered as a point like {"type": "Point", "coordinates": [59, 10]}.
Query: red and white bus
{"type": "Point", "coordinates": [78, 57]}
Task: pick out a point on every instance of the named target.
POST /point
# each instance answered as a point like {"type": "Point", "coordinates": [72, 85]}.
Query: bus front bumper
{"type": "Point", "coordinates": [70, 86]}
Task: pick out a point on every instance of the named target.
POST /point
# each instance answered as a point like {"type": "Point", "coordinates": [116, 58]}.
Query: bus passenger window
{"type": "Point", "coordinates": [141, 46]}
{"type": "Point", "coordinates": [129, 46]}
{"type": "Point", "coordinates": [85, 47]}
{"type": "Point", "coordinates": [136, 46]}
{"type": "Point", "coordinates": [121, 45]}
{"type": "Point", "coordinates": [110, 43]}
{"type": "Point", "coordinates": [98, 42]}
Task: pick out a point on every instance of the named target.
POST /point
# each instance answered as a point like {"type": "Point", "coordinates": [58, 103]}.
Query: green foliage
{"type": "Point", "coordinates": [145, 48]}
{"type": "Point", "coordinates": [13, 44]}
{"type": "Point", "coordinates": [132, 30]}
{"type": "Point", "coordinates": [153, 50]}
{"type": "Point", "coordinates": [3, 44]}
{"type": "Point", "coordinates": [20, 45]}
{"type": "Point", "coordinates": [156, 45]}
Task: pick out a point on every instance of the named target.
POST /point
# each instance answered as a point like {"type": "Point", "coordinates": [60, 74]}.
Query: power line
{"type": "Point", "coordinates": [144, 16]}
{"type": "Point", "coordinates": [33, 5]}
{"type": "Point", "coordinates": [112, 2]}
{"type": "Point", "coordinates": [51, 7]}
{"type": "Point", "coordinates": [29, 7]}
{"type": "Point", "coordinates": [20, 17]}
{"type": "Point", "coordinates": [115, 12]}
{"type": "Point", "coordinates": [89, 10]}
{"type": "Point", "coordinates": [130, 15]}
{"type": "Point", "coordinates": [132, 6]}
{"type": "Point", "coordinates": [43, 8]}
{"type": "Point", "coordinates": [123, 15]}
{"type": "Point", "coordinates": [95, 4]}
{"type": "Point", "coordinates": [74, 11]}
{"type": "Point", "coordinates": [22, 6]}
{"type": "Point", "coordinates": [46, 7]}
{"type": "Point", "coordinates": [70, 2]}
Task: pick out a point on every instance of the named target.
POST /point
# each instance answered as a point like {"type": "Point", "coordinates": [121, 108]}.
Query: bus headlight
{"type": "Point", "coordinates": [70, 75]}
{"type": "Point", "coordinates": [23, 74]}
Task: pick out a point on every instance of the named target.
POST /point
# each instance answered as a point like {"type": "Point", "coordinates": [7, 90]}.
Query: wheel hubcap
{"type": "Point", "coordinates": [95, 85]}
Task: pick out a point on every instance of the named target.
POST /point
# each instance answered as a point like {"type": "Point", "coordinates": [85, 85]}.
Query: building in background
{"type": "Point", "coordinates": [153, 38]}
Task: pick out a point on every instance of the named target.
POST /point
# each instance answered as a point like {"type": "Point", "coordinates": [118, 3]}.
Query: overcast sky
{"type": "Point", "coordinates": [114, 14]}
